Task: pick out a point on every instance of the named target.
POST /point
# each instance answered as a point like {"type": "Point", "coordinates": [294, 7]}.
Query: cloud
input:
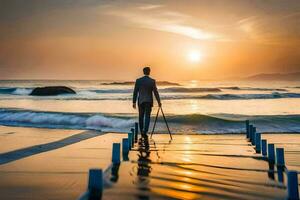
{"type": "Point", "coordinates": [156, 17]}
{"type": "Point", "coordinates": [150, 6]}
{"type": "Point", "coordinates": [271, 29]}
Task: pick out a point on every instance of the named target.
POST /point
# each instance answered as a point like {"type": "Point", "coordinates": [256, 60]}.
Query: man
{"type": "Point", "coordinates": [143, 90]}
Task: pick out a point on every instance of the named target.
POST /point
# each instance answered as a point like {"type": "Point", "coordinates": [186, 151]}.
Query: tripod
{"type": "Point", "coordinates": [162, 112]}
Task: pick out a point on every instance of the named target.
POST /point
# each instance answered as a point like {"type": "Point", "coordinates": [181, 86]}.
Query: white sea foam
{"type": "Point", "coordinates": [179, 93]}
{"type": "Point", "coordinates": [110, 122]}
{"type": "Point", "coordinates": [179, 123]}
{"type": "Point", "coordinates": [22, 91]}
{"type": "Point", "coordinates": [62, 120]}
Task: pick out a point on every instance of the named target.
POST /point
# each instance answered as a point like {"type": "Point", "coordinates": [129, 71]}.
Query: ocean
{"type": "Point", "coordinates": [206, 107]}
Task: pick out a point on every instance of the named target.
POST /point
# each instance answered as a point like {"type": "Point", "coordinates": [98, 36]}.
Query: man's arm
{"type": "Point", "coordinates": [135, 94]}
{"type": "Point", "coordinates": [156, 94]}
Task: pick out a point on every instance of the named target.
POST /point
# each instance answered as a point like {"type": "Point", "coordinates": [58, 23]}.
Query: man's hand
{"type": "Point", "coordinates": [159, 104]}
{"type": "Point", "coordinates": [134, 105]}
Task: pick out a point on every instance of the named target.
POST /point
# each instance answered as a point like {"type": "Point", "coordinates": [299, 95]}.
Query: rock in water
{"type": "Point", "coordinates": [52, 90]}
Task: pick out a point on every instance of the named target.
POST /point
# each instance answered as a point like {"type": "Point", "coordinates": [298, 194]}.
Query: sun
{"type": "Point", "coordinates": [194, 56]}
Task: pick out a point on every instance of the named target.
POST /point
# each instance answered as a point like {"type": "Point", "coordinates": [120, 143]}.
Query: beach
{"type": "Point", "coordinates": [57, 174]}
{"type": "Point", "coordinates": [192, 166]}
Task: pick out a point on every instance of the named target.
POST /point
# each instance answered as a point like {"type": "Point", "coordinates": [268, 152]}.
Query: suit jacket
{"type": "Point", "coordinates": [143, 90]}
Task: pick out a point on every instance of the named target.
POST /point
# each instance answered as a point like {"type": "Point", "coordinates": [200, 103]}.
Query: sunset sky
{"type": "Point", "coordinates": [180, 40]}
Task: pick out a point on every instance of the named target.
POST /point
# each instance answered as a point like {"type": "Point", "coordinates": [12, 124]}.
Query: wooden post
{"type": "Point", "coordinates": [130, 137]}
{"type": "Point", "coordinates": [95, 183]}
{"type": "Point", "coordinates": [125, 146]}
{"type": "Point", "coordinates": [250, 132]}
{"type": "Point", "coordinates": [253, 135]}
{"type": "Point", "coordinates": [247, 129]}
{"type": "Point", "coordinates": [257, 142]}
{"type": "Point", "coordinates": [271, 153]}
{"type": "Point", "coordinates": [292, 185]}
{"type": "Point", "coordinates": [280, 157]}
{"type": "Point", "coordinates": [280, 171]}
{"type": "Point", "coordinates": [136, 130]}
{"type": "Point", "coordinates": [264, 147]}
{"type": "Point", "coordinates": [116, 153]}
{"type": "Point", "coordinates": [133, 133]}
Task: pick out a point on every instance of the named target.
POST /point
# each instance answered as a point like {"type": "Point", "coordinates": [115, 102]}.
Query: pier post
{"type": "Point", "coordinates": [133, 133]}
{"type": "Point", "coordinates": [264, 147]}
{"type": "Point", "coordinates": [258, 142]}
{"type": "Point", "coordinates": [247, 129]}
{"type": "Point", "coordinates": [250, 132]}
{"type": "Point", "coordinates": [271, 172]}
{"type": "Point", "coordinates": [136, 129]}
{"type": "Point", "coordinates": [125, 146]}
{"type": "Point", "coordinates": [280, 157]}
{"type": "Point", "coordinates": [95, 183]}
{"type": "Point", "coordinates": [130, 137]}
{"type": "Point", "coordinates": [253, 135]}
{"type": "Point", "coordinates": [271, 153]}
{"type": "Point", "coordinates": [116, 153]}
{"type": "Point", "coordinates": [280, 171]}
{"type": "Point", "coordinates": [292, 185]}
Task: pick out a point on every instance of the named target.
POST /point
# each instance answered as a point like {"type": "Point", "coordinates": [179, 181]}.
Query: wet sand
{"type": "Point", "coordinates": [57, 174]}
{"type": "Point", "coordinates": [13, 138]}
{"type": "Point", "coordinates": [189, 167]}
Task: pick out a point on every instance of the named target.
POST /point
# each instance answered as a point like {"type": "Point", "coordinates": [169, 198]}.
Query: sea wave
{"type": "Point", "coordinates": [162, 83]}
{"type": "Point", "coordinates": [22, 91]}
{"type": "Point", "coordinates": [192, 123]}
{"type": "Point", "coordinates": [274, 95]}
{"type": "Point", "coordinates": [107, 91]}
{"type": "Point", "coordinates": [16, 90]}
{"type": "Point", "coordinates": [164, 90]}
{"type": "Point", "coordinates": [190, 90]}
{"type": "Point", "coordinates": [30, 118]}
{"type": "Point", "coordinates": [90, 96]}
{"type": "Point", "coordinates": [172, 93]}
{"type": "Point", "coordinates": [253, 88]}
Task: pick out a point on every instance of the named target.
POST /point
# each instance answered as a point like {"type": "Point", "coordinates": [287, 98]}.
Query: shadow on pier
{"type": "Point", "coordinates": [36, 149]}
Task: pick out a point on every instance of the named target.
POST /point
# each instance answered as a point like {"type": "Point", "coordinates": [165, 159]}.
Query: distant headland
{"type": "Point", "coordinates": [275, 76]}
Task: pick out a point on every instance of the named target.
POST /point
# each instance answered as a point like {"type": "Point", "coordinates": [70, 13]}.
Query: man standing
{"type": "Point", "coordinates": [143, 90]}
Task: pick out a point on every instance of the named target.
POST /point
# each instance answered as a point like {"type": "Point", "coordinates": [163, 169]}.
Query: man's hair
{"type": "Point", "coordinates": [146, 70]}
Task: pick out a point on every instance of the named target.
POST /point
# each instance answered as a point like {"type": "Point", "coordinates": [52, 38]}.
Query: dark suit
{"type": "Point", "coordinates": [144, 89]}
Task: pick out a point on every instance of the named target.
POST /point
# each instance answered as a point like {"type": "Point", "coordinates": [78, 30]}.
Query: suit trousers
{"type": "Point", "coordinates": [145, 109]}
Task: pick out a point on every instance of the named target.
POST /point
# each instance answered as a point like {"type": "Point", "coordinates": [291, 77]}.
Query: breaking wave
{"type": "Point", "coordinates": [169, 93]}
{"type": "Point", "coordinates": [162, 83]}
{"type": "Point", "coordinates": [27, 91]}
{"type": "Point", "coordinates": [29, 118]}
{"type": "Point", "coordinates": [189, 90]}
{"type": "Point", "coordinates": [186, 90]}
{"type": "Point", "coordinates": [16, 91]}
{"type": "Point", "coordinates": [193, 123]}
{"type": "Point", "coordinates": [274, 95]}
{"type": "Point", "coordinates": [251, 88]}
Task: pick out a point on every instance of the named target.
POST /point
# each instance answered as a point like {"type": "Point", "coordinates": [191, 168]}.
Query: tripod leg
{"type": "Point", "coordinates": [154, 123]}
{"type": "Point", "coordinates": [166, 123]}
